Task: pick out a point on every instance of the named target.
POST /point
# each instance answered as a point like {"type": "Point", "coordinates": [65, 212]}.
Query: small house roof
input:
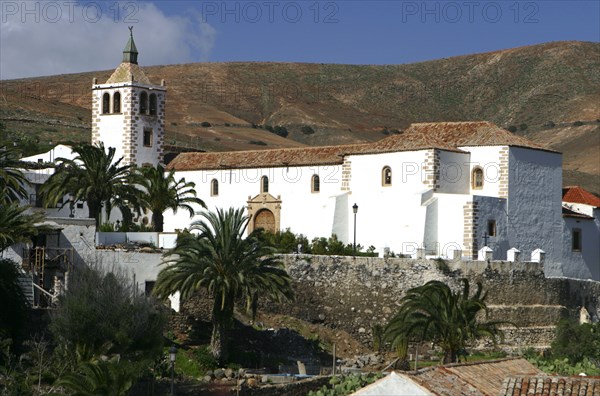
{"type": "Point", "coordinates": [577, 194]}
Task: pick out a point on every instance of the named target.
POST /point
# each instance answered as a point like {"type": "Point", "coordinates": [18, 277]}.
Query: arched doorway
{"type": "Point", "coordinates": [265, 219]}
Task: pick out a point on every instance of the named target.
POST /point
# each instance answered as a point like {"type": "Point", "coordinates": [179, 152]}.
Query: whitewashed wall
{"type": "Point", "coordinates": [455, 172]}
{"type": "Point", "coordinates": [534, 202]}
{"type": "Point", "coordinates": [451, 226]}
{"type": "Point", "coordinates": [303, 211]}
{"type": "Point", "coordinates": [388, 216]}
{"type": "Point", "coordinates": [492, 208]}
{"type": "Point", "coordinates": [488, 158]}
{"type": "Point", "coordinates": [584, 264]}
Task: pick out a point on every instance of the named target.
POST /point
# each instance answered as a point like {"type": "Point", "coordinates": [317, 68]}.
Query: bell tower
{"type": "Point", "coordinates": [128, 112]}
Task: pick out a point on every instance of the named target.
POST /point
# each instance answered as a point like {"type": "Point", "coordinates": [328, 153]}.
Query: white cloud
{"type": "Point", "coordinates": [59, 37]}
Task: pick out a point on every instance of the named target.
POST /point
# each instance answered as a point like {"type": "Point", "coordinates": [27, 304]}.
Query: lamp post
{"type": "Point", "coordinates": [72, 206]}
{"type": "Point", "coordinates": [172, 357]}
{"type": "Point", "coordinates": [355, 210]}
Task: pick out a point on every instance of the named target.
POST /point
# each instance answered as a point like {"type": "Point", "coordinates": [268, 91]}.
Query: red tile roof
{"type": "Point", "coordinates": [476, 379]}
{"type": "Point", "coordinates": [550, 385]}
{"type": "Point", "coordinates": [576, 194]}
{"type": "Point", "coordinates": [442, 135]}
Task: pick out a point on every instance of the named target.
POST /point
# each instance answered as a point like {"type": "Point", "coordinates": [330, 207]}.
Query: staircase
{"type": "Point", "coordinates": [26, 284]}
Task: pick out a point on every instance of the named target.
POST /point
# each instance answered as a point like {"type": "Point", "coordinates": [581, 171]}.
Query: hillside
{"type": "Point", "coordinates": [528, 87]}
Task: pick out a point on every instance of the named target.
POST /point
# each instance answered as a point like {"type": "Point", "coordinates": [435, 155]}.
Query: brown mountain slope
{"type": "Point", "coordinates": [557, 82]}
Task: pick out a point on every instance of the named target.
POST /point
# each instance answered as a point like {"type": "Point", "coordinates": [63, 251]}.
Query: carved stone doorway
{"type": "Point", "coordinates": [265, 212]}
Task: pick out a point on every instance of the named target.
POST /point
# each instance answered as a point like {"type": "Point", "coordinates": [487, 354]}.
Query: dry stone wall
{"type": "Point", "coordinates": [354, 294]}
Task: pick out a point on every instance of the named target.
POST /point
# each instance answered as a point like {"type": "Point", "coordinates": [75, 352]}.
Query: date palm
{"type": "Point", "coordinates": [451, 320]}
{"type": "Point", "coordinates": [229, 266]}
{"type": "Point", "coordinates": [12, 180]}
{"type": "Point", "coordinates": [16, 225]}
{"type": "Point", "coordinates": [163, 191]}
{"type": "Point", "coordinates": [95, 177]}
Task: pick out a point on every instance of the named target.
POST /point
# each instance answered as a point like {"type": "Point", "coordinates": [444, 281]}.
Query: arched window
{"type": "Point", "coordinates": [477, 179]}
{"type": "Point", "coordinates": [117, 102]}
{"type": "Point", "coordinates": [386, 176]}
{"type": "Point", "coordinates": [106, 103]}
{"type": "Point", "coordinates": [315, 184]}
{"type": "Point", "coordinates": [264, 184]}
{"type": "Point", "coordinates": [143, 103]}
{"type": "Point", "coordinates": [152, 104]}
{"type": "Point", "coordinates": [214, 188]}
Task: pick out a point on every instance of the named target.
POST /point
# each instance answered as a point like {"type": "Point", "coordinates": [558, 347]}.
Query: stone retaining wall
{"type": "Point", "coordinates": [355, 293]}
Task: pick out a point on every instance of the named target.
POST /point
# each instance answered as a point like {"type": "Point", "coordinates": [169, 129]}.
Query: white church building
{"type": "Point", "coordinates": [443, 189]}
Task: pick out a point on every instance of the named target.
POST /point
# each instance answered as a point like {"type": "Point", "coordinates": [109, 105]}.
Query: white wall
{"type": "Point", "coordinates": [492, 208]}
{"type": "Point", "coordinates": [488, 158]}
{"type": "Point", "coordinates": [455, 172]}
{"type": "Point", "coordinates": [534, 203]}
{"type": "Point", "coordinates": [451, 226]}
{"type": "Point", "coordinates": [388, 216]}
{"type": "Point", "coordinates": [303, 211]}
{"type": "Point", "coordinates": [584, 264]}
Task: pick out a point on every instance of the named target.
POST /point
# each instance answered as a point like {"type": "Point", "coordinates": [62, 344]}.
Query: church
{"type": "Point", "coordinates": [455, 190]}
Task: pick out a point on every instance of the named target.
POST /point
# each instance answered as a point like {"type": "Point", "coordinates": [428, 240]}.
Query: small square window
{"type": "Point", "coordinates": [79, 205]}
{"type": "Point", "coordinates": [491, 228]}
{"type": "Point", "coordinates": [40, 161]}
{"type": "Point", "coordinates": [147, 137]}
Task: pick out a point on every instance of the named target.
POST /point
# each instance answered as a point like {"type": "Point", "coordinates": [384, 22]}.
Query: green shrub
{"type": "Point", "coordinates": [307, 130]}
{"type": "Point", "coordinates": [257, 142]}
{"type": "Point", "coordinates": [104, 308]}
{"type": "Point", "coordinates": [512, 129]}
{"type": "Point", "coordinates": [578, 123]}
{"type": "Point", "coordinates": [205, 124]}
{"type": "Point", "coordinates": [576, 342]}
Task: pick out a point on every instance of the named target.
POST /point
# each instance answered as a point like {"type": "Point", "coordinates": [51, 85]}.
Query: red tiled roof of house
{"type": "Point", "coordinates": [544, 385]}
{"type": "Point", "coordinates": [442, 135]}
{"type": "Point", "coordinates": [477, 378]}
{"type": "Point", "coordinates": [471, 133]}
{"type": "Point", "coordinates": [576, 194]}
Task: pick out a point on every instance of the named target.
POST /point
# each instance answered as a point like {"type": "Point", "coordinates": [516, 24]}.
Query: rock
{"type": "Point", "coordinates": [252, 382]}
{"type": "Point", "coordinates": [321, 317]}
{"type": "Point", "coordinates": [207, 378]}
{"type": "Point", "coordinates": [209, 373]}
{"type": "Point", "coordinates": [264, 379]}
{"type": "Point", "coordinates": [229, 373]}
{"type": "Point", "coordinates": [219, 373]}
{"type": "Point", "coordinates": [361, 330]}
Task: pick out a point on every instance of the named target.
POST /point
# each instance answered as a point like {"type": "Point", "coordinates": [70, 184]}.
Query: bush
{"type": "Point", "coordinates": [578, 123]}
{"type": "Point", "coordinates": [512, 129]}
{"type": "Point", "coordinates": [523, 127]}
{"type": "Point", "coordinates": [104, 308]}
{"type": "Point", "coordinates": [549, 124]}
{"type": "Point", "coordinates": [269, 128]}
{"type": "Point", "coordinates": [257, 142]}
{"type": "Point", "coordinates": [576, 342]}
{"type": "Point", "coordinates": [13, 309]}
{"type": "Point", "coordinates": [205, 124]}
{"type": "Point", "coordinates": [281, 131]}
{"type": "Point", "coordinates": [307, 130]}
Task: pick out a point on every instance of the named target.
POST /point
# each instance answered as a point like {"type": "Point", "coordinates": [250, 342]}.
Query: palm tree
{"type": "Point", "coordinates": [98, 378]}
{"type": "Point", "coordinates": [12, 180]}
{"type": "Point", "coordinates": [16, 225]}
{"type": "Point", "coordinates": [95, 177]}
{"type": "Point", "coordinates": [229, 266]}
{"type": "Point", "coordinates": [433, 312]}
{"type": "Point", "coordinates": [164, 192]}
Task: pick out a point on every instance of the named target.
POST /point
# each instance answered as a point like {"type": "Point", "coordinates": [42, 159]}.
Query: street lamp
{"type": "Point", "coordinates": [355, 210]}
{"type": "Point", "coordinates": [172, 357]}
{"type": "Point", "coordinates": [72, 206]}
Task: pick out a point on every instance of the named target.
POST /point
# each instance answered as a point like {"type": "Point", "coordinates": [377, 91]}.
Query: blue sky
{"type": "Point", "coordinates": [51, 37]}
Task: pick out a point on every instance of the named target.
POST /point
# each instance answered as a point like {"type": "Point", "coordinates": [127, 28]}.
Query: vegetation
{"type": "Point", "coordinates": [96, 178]}
{"type": "Point", "coordinates": [288, 242]}
{"type": "Point", "coordinates": [433, 312]}
{"type": "Point", "coordinates": [345, 385]}
{"type": "Point", "coordinates": [307, 130]}
{"type": "Point", "coordinates": [575, 350]}
{"type": "Point", "coordinates": [229, 266]}
{"type": "Point", "coordinates": [163, 191]}
{"type": "Point", "coordinates": [13, 309]}
{"type": "Point", "coordinates": [16, 225]}
{"type": "Point", "coordinates": [104, 310]}
{"type": "Point", "coordinates": [12, 180]}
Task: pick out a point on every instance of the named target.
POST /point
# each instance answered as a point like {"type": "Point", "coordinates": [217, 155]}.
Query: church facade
{"type": "Point", "coordinates": [445, 189]}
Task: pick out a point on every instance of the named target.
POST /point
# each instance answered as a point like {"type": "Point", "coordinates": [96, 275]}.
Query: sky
{"type": "Point", "coordinates": [40, 38]}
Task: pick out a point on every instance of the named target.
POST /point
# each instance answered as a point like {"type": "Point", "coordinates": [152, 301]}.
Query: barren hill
{"type": "Point", "coordinates": [531, 88]}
